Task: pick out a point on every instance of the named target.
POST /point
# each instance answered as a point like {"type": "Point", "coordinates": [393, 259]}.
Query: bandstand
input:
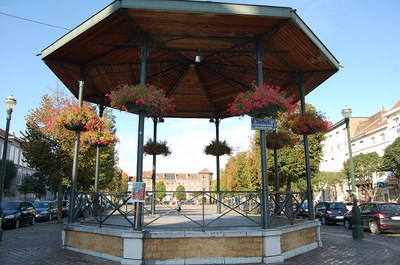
{"type": "Point", "coordinates": [202, 54]}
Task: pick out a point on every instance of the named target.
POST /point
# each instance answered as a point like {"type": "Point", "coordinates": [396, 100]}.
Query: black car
{"type": "Point", "coordinates": [46, 210]}
{"type": "Point", "coordinates": [17, 213]}
{"type": "Point", "coordinates": [377, 217]}
{"type": "Point", "coordinates": [330, 212]}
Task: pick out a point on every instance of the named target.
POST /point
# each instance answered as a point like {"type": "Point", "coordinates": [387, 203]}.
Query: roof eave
{"type": "Point", "coordinates": [300, 23]}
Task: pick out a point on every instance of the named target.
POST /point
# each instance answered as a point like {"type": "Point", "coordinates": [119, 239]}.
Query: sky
{"type": "Point", "coordinates": [363, 35]}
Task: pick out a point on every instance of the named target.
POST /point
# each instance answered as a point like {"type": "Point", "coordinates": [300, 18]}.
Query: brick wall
{"type": "Point", "coordinates": [106, 244]}
{"type": "Point", "coordinates": [176, 248]}
{"type": "Point", "coordinates": [298, 238]}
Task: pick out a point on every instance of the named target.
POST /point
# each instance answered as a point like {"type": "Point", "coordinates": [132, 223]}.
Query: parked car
{"type": "Point", "coordinates": [17, 213]}
{"type": "Point", "coordinates": [46, 210]}
{"type": "Point", "coordinates": [377, 217]}
{"type": "Point", "coordinates": [330, 212]}
{"type": "Point", "coordinates": [302, 211]}
{"type": "Point", "coordinates": [64, 207]}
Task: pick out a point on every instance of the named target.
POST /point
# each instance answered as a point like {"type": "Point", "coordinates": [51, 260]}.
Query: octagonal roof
{"type": "Point", "coordinates": [107, 48]}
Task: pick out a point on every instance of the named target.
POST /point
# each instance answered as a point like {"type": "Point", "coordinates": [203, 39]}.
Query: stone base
{"type": "Point", "coordinates": [191, 247]}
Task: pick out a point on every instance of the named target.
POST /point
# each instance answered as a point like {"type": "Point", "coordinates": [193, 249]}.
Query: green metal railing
{"type": "Point", "coordinates": [200, 210]}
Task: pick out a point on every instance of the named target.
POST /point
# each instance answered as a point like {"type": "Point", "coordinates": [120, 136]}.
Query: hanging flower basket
{"type": "Point", "coordinates": [147, 99]}
{"type": "Point", "coordinates": [218, 148]}
{"type": "Point", "coordinates": [279, 139]}
{"type": "Point", "coordinates": [76, 118]}
{"type": "Point", "coordinates": [261, 101]}
{"type": "Point", "coordinates": [309, 122]}
{"type": "Point", "coordinates": [156, 148]}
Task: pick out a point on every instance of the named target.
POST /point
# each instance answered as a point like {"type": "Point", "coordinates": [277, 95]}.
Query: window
{"type": "Point", "coordinates": [373, 140]}
{"type": "Point", "coordinates": [383, 137]}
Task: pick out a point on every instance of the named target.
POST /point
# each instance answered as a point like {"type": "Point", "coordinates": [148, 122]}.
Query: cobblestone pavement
{"type": "Point", "coordinates": [41, 244]}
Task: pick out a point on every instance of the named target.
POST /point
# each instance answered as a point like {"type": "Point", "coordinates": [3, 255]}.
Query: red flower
{"type": "Point", "coordinates": [259, 98]}
{"type": "Point", "coordinates": [148, 98]}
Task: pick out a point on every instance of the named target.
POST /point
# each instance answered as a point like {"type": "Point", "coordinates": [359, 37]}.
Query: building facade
{"type": "Point", "coordinates": [368, 134]}
{"type": "Point", "coordinates": [14, 154]}
{"type": "Point", "coordinates": [192, 182]}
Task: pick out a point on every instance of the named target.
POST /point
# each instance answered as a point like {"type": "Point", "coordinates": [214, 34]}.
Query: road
{"type": "Point", "coordinates": [41, 244]}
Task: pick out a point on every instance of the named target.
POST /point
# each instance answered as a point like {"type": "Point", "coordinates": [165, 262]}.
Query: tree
{"type": "Point", "coordinates": [35, 184]}
{"type": "Point", "coordinates": [160, 190]}
{"type": "Point", "coordinates": [10, 174]}
{"type": "Point", "coordinates": [391, 158]}
{"type": "Point", "coordinates": [328, 181]}
{"type": "Point", "coordinates": [180, 193]}
{"type": "Point", "coordinates": [244, 170]}
{"type": "Point", "coordinates": [48, 147]}
{"type": "Point", "coordinates": [364, 166]}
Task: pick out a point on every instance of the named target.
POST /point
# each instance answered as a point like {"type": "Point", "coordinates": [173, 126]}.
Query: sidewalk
{"type": "Point", "coordinates": [41, 244]}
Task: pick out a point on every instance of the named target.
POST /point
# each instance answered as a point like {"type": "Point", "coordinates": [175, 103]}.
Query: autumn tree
{"type": "Point", "coordinates": [48, 147]}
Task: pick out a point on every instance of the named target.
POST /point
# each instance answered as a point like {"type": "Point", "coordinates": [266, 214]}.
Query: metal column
{"type": "Point", "coordinates": [139, 165]}
{"type": "Point", "coordinates": [307, 155]}
{"type": "Point", "coordinates": [264, 188]}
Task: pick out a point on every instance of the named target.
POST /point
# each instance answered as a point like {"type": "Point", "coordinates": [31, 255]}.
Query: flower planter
{"type": "Point", "coordinates": [270, 111]}
{"type": "Point", "coordinates": [301, 131]}
{"type": "Point", "coordinates": [156, 148]}
{"type": "Point", "coordinates": [147, 99]}
{"type": "Point", "coordinates": [261, 101]}
{"type": "Point", "coordinates": [218, 148]}
{"type": "Point", "coordinates": [75, 127]}
{"type": "Point", "coordinates": [132, 107]}
{"type": "Point", "coordinates": [279, 139]}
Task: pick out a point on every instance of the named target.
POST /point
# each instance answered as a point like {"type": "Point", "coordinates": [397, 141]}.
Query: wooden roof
{"type": "Point", "coordinates": [107, 47]}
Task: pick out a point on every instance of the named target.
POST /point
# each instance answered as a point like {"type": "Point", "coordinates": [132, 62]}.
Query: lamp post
{"type": "Point", "coordinates": [10, 103]}
{"type": "Point", "coordinates": [357, 229]}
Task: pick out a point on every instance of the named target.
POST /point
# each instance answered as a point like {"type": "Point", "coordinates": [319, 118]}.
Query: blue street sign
{"type": "Point", "coordinates": [263, 124]}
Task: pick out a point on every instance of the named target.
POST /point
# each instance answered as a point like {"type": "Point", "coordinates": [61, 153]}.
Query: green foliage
{"type": "Point", "coordinates": [391, 158]}
{"type": "Point", "coordinates": [180, 193]}
{"type": "Point", "coordinates": [35, 184]}
{"type": "Point", "coordinates": [243, 170]}
{"type": "Point", "coordinates": [50, 150]}
{"type": "Point", "coordinates": [364, 166]}
{"type": "Point", "coordinates": [160, 189]}
{"type": "Point", "coordinates": [10, 174]}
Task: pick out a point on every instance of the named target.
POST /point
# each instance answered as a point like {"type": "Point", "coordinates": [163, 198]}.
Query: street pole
{"type": "Point", "coordinates": [10, 103]}
{"type": "Point", "coordinates": [357, 229]}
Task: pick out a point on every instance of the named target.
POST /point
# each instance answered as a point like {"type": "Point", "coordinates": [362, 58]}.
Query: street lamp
{"type": "Point", "coordinates": [357, 229]}
{"type": "Point", "coordinates": [10, 103]}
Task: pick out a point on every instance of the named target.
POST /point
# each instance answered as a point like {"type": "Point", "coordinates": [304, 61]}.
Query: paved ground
{"type": "Point", "coordinates": [41, 244]}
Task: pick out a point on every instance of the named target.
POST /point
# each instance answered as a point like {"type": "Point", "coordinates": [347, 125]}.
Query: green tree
{"type": "Point", "coordinates": [391, 158]}
{"type": "Point", "coordinates": [180, 193]}
{"type": "Point", "coordinates": [244, 169]}
{"type": "Point", "coordinates": [364, 166]}
{"type": "Point", "coordinates": [160, 190]}
{"type": "Point", "coordinates": [328, 181]}
{"type": "Point", "coordinates": [10, 174]}
{"type": "Point", "coordinates": [35, 184]}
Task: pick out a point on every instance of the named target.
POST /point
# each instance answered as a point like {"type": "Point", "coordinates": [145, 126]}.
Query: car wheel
{"type": "Point", "coordinates": [324, 221]}
{"type": "Point", "coordinates": [347, 224]}
{"type": "Point", "coordinates": [33, 221]}
{"type": "Point", "coordinates": [16, 225]}
{"type": "Point", "coordinates": [373, 227]}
